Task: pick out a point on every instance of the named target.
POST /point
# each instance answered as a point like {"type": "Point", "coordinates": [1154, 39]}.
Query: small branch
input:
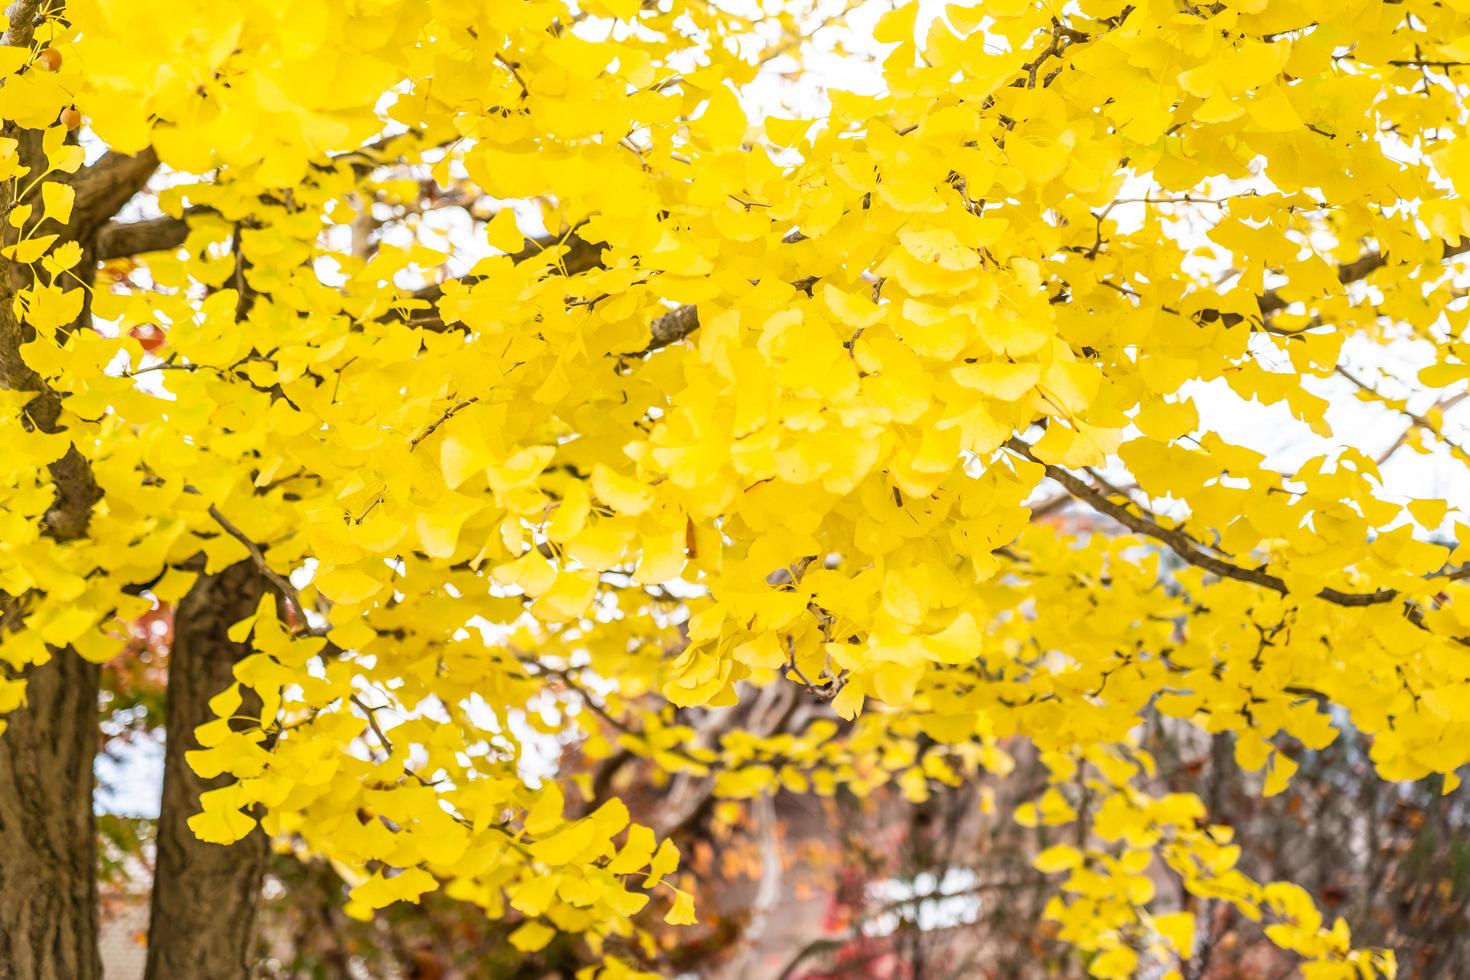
{"type": "Point", "coordinates": [511, 67]}
{"type": "Point", "coordinates": [1186, 547]}
{"type": "Point", "coordinates": [672, 327]}
{"type": "Point", "coordinates": [125, 239]}
{"type": "Point", "coordinates": [1045, 508]}
{"type": "Point", "coordinates": [433, 427]}
{"type": "Point", "coordinates": [1446, 65]}
{"type": "Point", "coordinates": [595, 706]}
{"type": "Point", "coordinates": [578, 255]}
{"type": "Point", "coordinates": [370, 713]}
{"type": "Point", "coordinates": [1355, 271]}
{"type": "Point", "coordinates": [281, 583]}
{"type": "Point", "coordinates": [1415, 420]}
{"type": "Point", "coordinates": [103, 188]}
{"type": "Point", "coordinates": [372, 720]}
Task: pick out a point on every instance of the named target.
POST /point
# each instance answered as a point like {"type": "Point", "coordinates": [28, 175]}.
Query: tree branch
{"type": "Point", "coordinates": [282, 584]}
{"type": "Point", "coordinates": [104, 187]}
{"type": "Point", "coordinates": [671, 328]}
{"type": "Point", "coordinates": [23, 16]}
{"type": "Point", "coordinates": [102, 190]}
{"type": "Point", "coordinates": [125, 239]}
{"type": "Point", "coordinates": [1355, 271]}
{"type": "Point", "coordinates": [580, 256]}
{"type": "Point", "coordinates": [1183, 545]}
{"type": "Point", "coordinates": [1415, 420]}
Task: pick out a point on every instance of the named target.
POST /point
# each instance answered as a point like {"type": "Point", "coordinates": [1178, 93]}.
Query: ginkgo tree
{"type": "Point", "coordinates": [708, 399]}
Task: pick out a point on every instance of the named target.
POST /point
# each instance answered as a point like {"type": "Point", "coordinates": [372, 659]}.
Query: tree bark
{"type": "Point", "coordinates": [204, 895]}
{"type": "Point", "coordinates": [48, 836]}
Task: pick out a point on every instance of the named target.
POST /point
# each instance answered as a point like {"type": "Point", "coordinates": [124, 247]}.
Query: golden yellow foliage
{"type": "Point", "coordinates": [713, 398]}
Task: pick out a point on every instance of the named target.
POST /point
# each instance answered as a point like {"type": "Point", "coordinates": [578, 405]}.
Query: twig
{"type": "Point", "coordinates": [282, 584]}
{"type": "Point", "coordinates": [1186, 547]}
{"type": "Point", "coordinates": [449, 413]}
{"type": "Point", "coordinates": [511, 67]}
{"type": "Point", "coordinates": [1416, 420]}
{"type": "Point", "coordinates": [372, 720]}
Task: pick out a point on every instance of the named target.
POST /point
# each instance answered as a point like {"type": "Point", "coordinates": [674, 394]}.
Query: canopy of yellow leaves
{"type": "Point", "coordinates": [720, 399]}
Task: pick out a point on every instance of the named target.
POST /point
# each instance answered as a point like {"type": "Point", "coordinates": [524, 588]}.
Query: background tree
{"type": "Point", "coordinates": [566, 430]}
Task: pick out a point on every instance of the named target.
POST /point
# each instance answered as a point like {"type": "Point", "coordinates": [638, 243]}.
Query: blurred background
{"type": "Point", "coordinates": [916, 882]}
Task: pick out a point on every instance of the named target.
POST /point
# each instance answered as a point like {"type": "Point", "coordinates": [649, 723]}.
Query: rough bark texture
{"type": "Point", "coordinates": [48, 840]}
{"type": "Point", "coordinates": [204, 895]}
{"type": "Point", "coordinates": [48, 845]}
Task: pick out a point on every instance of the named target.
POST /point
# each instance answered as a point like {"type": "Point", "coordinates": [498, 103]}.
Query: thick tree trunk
{"type": "Point", "coordinates": [48, 839]}
{"type": "Point", "coordinates": [204, 895]}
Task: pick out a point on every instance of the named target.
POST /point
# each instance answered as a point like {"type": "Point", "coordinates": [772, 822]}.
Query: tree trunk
{"type": "Point", "coordinates": [48, 837]}
{"type": "Point", "coordinates": [204, 895]}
